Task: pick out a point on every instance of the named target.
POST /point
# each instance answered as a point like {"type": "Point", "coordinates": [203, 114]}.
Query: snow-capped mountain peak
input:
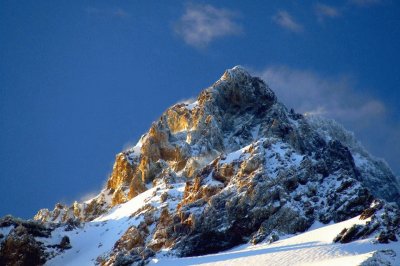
{"type": "Point", "coordinates": [235, 74]}
{"type": "Point", "coordinates": [234, 167]}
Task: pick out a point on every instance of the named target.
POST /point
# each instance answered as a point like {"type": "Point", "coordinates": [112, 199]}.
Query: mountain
{"type": "Point", "coordinates": [233, 168]}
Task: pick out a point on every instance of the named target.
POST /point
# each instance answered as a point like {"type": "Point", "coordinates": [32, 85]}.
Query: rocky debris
{"type": "Point", "coordinates": [137, 257]}
{"type": "Point", "coordinates": [131, 248]}
{"type": "Point", "coordinates": [264, 234]}
{"type": "Point", "coordinates": [33, 228]}
{"type": "Point", "coordinates": [78, 212]}
{"type": "Point", "coordinates": [21, 248]}
{"type": "Point", "coordinates": [163, 233]}
{"type": "Point", "coordinates": [132, 238]}
{"type": "Point", "coordinates": [64, 244]}
{"type": "Point", "coordinates": [383, 223]}
{"type": "Point", "coordinates": [72, 224]}
{"type": "Point", "coordinates": [351, 234]}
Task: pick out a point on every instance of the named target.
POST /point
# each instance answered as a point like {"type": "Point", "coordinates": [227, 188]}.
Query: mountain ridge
{"type": "Point", "coordinates": [122, 172]}
{"type": "Point", "coordinates": [235, 166]}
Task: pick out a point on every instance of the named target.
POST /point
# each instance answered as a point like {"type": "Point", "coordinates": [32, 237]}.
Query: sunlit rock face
{"type": "Point", "coordinates": [122, 173]}
{"type": "Point", "coordinates": [251, 169]}
{"type": "Point", "coordinates": [125, 181]}
{"type": "Point", "coordinates": [187, 136]}
{"type": "Point", "coordinates": [85, 211]}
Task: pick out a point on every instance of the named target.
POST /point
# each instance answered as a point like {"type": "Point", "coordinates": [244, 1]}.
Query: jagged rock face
{"type": "Point", "coordinates": [272, 189]}
{"type": "Point", "coordinates": [252, 171]}
{"type": "Point", "coordinates": [186, 137]}
{"type": "Point", "coordinates": [20, 247]}
{"type": "Point", "coordinates": [384, 221]}
{"type": "Point", "coordinates": [78, 212]}
{"type": "Point", "coordinates": [121, 175]}
{"type": "Point", "coordinates": [124, 182]}
{"type": "Point", "coordinates": [374, 173]}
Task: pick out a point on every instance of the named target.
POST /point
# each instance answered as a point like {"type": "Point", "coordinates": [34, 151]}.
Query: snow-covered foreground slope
{"type": "Point", "coordinates": [314, 247]}
{"type": "Point", "coordinates": [96, 239]}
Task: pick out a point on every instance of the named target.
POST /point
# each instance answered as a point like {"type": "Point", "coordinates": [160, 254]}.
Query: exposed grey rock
{"type": "Point", "coordinates": [384, 224]}
{"type": "Point", "coordinates": [21, 248]}
{"type": "Point", "coordinates": [65, 244]}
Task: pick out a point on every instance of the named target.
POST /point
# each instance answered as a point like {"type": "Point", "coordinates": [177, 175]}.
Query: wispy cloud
{"type": "Point", "coordinates": [285, 20]}
{"type": "Point", "coordinates": [307, 91]}
{"type": "Point", "coordinates": [187, 100]}
{"type": "Point", "coordinates": [323, 11]}
{"type": "Point", "coordinates": [365, 3]}
{"type": "Point", "coordinates": [202, 24]}
{"type": "Point", "coordinates": [107, 12]}
{"type": "Point", "coordinates": [340, 98]}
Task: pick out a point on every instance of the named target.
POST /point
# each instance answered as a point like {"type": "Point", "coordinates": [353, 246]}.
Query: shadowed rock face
{"type": "Point", "coordinates": [253, 171]}
{"type": "Point", "coordinates": [20, 247]}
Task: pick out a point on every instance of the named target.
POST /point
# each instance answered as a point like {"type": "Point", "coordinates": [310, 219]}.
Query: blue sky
{"type": "Point", "coordinates": [81, 80]}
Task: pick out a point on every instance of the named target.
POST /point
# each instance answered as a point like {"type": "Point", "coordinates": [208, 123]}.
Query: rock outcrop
{"type": "Point", "coordinates": [20, 247]}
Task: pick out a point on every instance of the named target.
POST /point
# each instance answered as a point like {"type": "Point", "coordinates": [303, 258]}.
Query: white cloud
{"type": "Point", "coordinates": [88, 196]}
{"type": "Point", "coordinates": [323, 11]}
{"type": "Point", "coordinates": [338, 97]}
{"type": "Point", "coordinates": [201, 24]}
{"type": "Point", "coordinates": [128, 145]}
{"type": "Point", "coordinates": [285, 20]}
{"type": "Point", "coordinates": [187, 100]}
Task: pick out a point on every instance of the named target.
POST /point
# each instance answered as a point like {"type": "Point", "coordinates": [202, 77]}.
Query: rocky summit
{"type": "Point", "coordinates": [233, 167]}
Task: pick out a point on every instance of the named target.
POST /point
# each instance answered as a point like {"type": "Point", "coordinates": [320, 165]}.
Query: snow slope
{"type": "Point", "coordinates": [96, 239]}
{"type": "Point", "coordinates": [314, 247]}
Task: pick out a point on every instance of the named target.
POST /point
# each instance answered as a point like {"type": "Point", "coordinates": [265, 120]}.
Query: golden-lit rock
{"type": "Point", "coordinates": [224, 172]}
{"type": "Point", "coordinates": [119, 196]}
{"type": "Point", "coordinates": [130, 239]}
{"type": "Point", "coordinates": [126, 180]}
{"type": "Point", "coordinates": [251, 165]}
{"type": "Point", "coordinates": [122, 173]}
{"type": "Point", "coordinates": [178, 119]}
{"type": "Point", "coordinates": [136, 187]}
{"type": "Point", "coordinates": [77, 209]}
